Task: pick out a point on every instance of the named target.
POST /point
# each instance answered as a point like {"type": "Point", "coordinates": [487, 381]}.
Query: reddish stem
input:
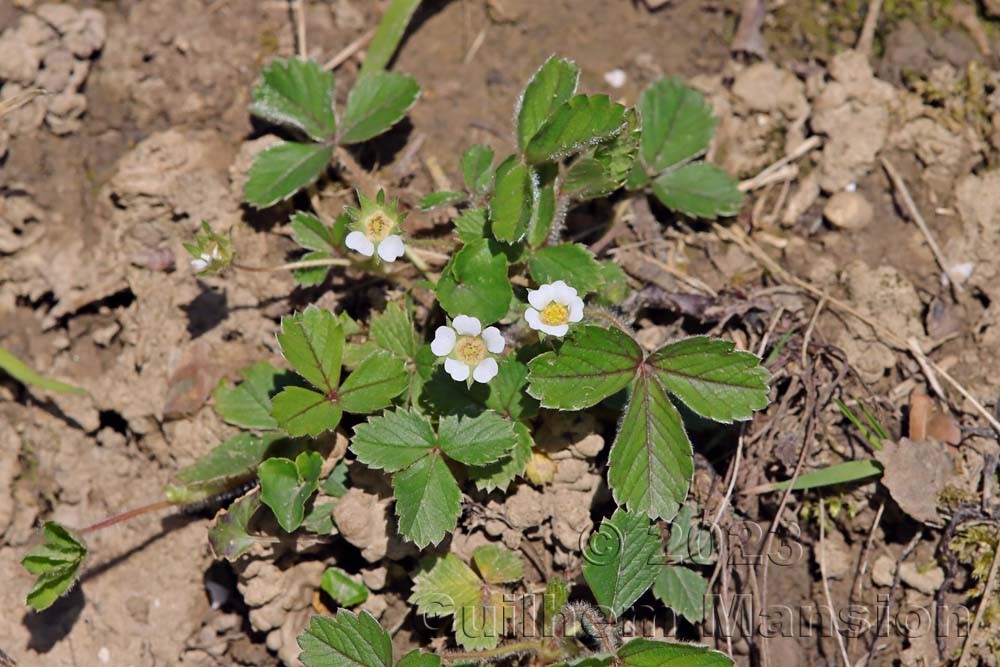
{"type": "Point", "coordinates": [125, 516]}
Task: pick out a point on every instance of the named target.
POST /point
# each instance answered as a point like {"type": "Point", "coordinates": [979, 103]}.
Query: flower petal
{"type": "Point", "coordinates": [563, 293]}
{"type": "Point", "coordinates": [494, 340]}
{"type": "Point", "coordinates": [444, 341]}
{"type": "Point", "coordinates": [486, 370]}
{"type": "Point", "coordinates": [467, 326]}
{"type": "Point", "coordinates": [533, 319]}
{"type": "Point", "coordinates": [576, 310]}
{"type": "Point", "coordinates": [558, 331]}
{"type": "Point", "coordinates": [199, 264]}
{"type": "Point", "coordinates": [358, 242]}
{"type": "Point", "coordinates": [541, 297]}
{"type": "Point", "coordinates": [456, 369]}
{"type": "Point", "coordinates": [391, 248]}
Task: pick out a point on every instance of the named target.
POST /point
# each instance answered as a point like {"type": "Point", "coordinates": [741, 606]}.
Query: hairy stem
{"type": "Point", "coordinates": [125, 516]}
{"type": "Point", "coordinates": [290, 266]}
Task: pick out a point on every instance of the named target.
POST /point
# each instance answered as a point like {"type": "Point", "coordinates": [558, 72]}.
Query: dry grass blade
{"type": "Point", "coordinates": [19, 100]}
{"type": "Point", "coordinates": [826, 582]}
{"type": "Point", "coordinates": [345, 53]}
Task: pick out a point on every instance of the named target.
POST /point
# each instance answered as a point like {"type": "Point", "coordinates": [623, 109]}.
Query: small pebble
{"type": "Point", "coordinates": [848, 210]}
{"type": "Point", "coordinates": [616, 78]}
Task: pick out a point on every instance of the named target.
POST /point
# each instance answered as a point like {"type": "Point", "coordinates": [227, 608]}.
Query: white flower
{"type": "Point", "coordinates": [554, 306]}
{"type": "Point", "coordinates": [467, 348]}
{"type": "Point", "coordinates": [375, 236]}
{"type": "Point", "coordinates": [201, 263]}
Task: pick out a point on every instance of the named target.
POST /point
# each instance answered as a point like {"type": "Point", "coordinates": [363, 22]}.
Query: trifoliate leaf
{"type": "Point", "coordinates": [312, 342]}
{"type": "Point", "coordinates": [475, 283]}
{"type": "Point", "coordinates": [428, 500]}
{"type": "Point", "coordinates": [226, 466]}
{"type": "Point", "coordinates": [699, 190]}
{"type": "Point", "coordinates": [507, 393]}
{"type": "Point", "coordinates": [649, 653]}
{"type": "Point", "coordinates": [284, 169]}
{"type": "Point", "coordinates": [497, 565]}
{"type": "Point", "coordinates": [651, 461]}
{"type": "Point", "coordinates": [394, 440]}
{"type": "Point", "coordinates": [471, 225]}
{"type": "Point", "coordinates": [345, 640]}
{"type": "Point", "coordinates": [248, 404]}
{"type": "Point", "coordinates": [544, 206]}
{"type": "Point", "coordinates": [416, 658]}
{"type": "Point", "coordinates": [310, 233]}
{"type": "Point", "coordinates": [569, 262]}
{"type": "Point", "coordinates": [376, 103]}
{"type": "Point", "coordinates": [392, 330]}
{"type": "Point", "coordinates": [689, 541]}
{"type": "Point", "coordinates": [604, 169]}
{"type": "Point", "coordinates": [374, 383]}
{"type": "Point", "coordinates": [286, 485]}
{"type": "Point", "coordinates": [552, 85]}
{"type": "Point", "coordinates": [302, 411]}
{"type": "Point", "coordinates": [299, 94]}
{"type": "Point", "coordinates": [622, 560]}
{"type": "Point", "coordinates": [442, 198]}
{"type": "Point", "coordinates": [592, 365]}
{"type": "Point", "coordinates": [574, 126]}
{"type": "Point", "coordinates": [683, 590]}
{"type": "Point", "coordinates": [677, 124]}
{"type": "Point", "coordinates": [345, 591]}
{"type": "Point", "coordinates": [56, 564]}
{"type": "Point", "coordinates": [477, 169]}
{"type": "Point", "coordinates": [712, 378]}
{"type": "Point", "coordinates": [513, 197]}
{"type": "Point", "coordinates": [476, 440]}
{"type": "Point", "coordinates": [499, 474]}
{"type": "Point", "coordinates": [230, 535]}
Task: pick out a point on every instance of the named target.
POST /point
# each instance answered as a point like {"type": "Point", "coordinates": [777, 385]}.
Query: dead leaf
{"type": "Point", "coordinates": [916, 471]}
{"type": "Point", "coordinates": [190, 385]}
{"type": "Point", "coordinates": [926, 420]}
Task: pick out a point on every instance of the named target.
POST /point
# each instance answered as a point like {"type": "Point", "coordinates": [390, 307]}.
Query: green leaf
{"type": "Point", "coordinates": [614, 284]}
{"type": "Point", "coordinates": [507, 393]}
{"type": "Point", "coordinates": [699, 190]}
{"type": "Point", "coordinates": [838, 473]}
{"type": "Point", "coordinates": [286, 485]}
{"type": "Point", "coordinates": [23, 373]}
{"type": "Point", "coordinates": [451, 588]}
{"type": "Point", "coordinates": [575, 125]}
{"type": "Point", "coordinates": [471, 225]}
{"type": "Point", "coordinates": [501, 473]}
{"type": "Point", "coordinates": [388, 35]}
{"type": "Point", "coordinates": [345, 591]}
{"type": "Point", "coordinates": [230, 535]}
{"type": "Point", "coordinates": [284, 169]}
{"type": "Point", "coordinates": [477, 169]}
{"type": "Point", "coordinates": [622, 559]}
{"type": "Point", "coordinates": [393, 330]}
{"type": "Point", "coordinates": [428, 500]}
{"type": "Point", "coordinates": [712, 378]}
{"type": "Point", "coordinates": [569, 262]}
{"type": "Point", "coordinates": [55, 563]}
{"type": "Point", "coordinates": [249, 403]}
{"type": "Point", "coordinates": [591, 365]}
{"type": "Point", "coordinates": [555, 598]}
{"type": "Point", "coordinates": [475, 283]}
{"type": "Point", "coordinates": [443, 198]}
{"type": "Point", "coordinates": [476, 440]}
{"type": "Point", "coordinates": [649, 653]}
{"type": "Point", "coordinates": [313, 275]}
{"type": "Point", "coordinates": [606, 168]}
{"type": "Point", "coordinates": [319, 518]}
{"type": "Point", "coordinates": [552, 85]}
{"type": "Point", "coordinates": [297, 94]}
{"type": "Point", "coordinates": [345, 640]}
{"type": "Point", "coordinates": [651, 461]}
{"type": "Point", "coordinates": [543, 211]}
{"type": "Point", "coordinates": [302, 411]}
{"type": "Point", "coordinates": [335, 484]}
{"type": "Point", "coordinates": [374, 383]}
{"type": "Point", "coordinates": [394, 440]}
{"type": "Point", "coordinates": [689, 541]}
{"type": "Point", "coordinates": [498, 565]}
{"type": "Point", "coordinates": [226, 466]}
{"type": "Point", "coordinates": [511, 204]}
{"type": "Point", "coordinates": [376, 103]}
{"type": "Point", "coordinates": [417, 659]}
{"type": "Point", "coordinates": [677, 124]}
{"type": "Point", "coordinates": [310, 233]}
{"type": "Point", "coordinates": [683, 590]}
{"type": "Point", "coordinates": [312, 342]}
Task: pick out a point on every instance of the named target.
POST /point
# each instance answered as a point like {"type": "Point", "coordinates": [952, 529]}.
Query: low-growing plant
{"type": "Point", "coordinates": [443, 396]}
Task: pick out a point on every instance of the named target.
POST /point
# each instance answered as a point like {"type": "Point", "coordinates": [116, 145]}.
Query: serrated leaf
{"type": "Point", "coordinates": [392, 330]}
{"type": "Point", "coordinates": [319, 518]}
{"type": "Point", "coordinates": [335, 484]}
{"type": "Point", "coordinates": [230, 535]}
{"type": "Point", "coordinates": [712, 377]}
{"type": "Point", "coordinates": [569, 262]}
{"type": "Point", "coordinates": [471, 225]}
{"type": "Point", "coordinates": [442, 198]}
{"type": "Point", "coordinates": [345, 591]}
{"type": "Point", "coordinates": [476, 440]}
{"type": "Point", "coordinates": [310, 233]}
{"type": "Point", "coordinates": [614, 284]}
{"type": "Point", "coordinates": [689, 541]}
{"type": "Point", "coordinates": [286, 485]}
{"type": "Point", "coordinates": [591, 365]}
{"type": "Point", "coordinates": [477, 169]}
{"type": "Point", "coordinates": [301, 411]}
{"type": "Point", "coordinates": [282, 170]}
{"type": "Point", "coordinates": [24, 374]}
{"type": "Point", "coordinates": [699, 190]}
{"type": "Point", "coordinates": [651, 461]}
{"type": "Point", "coordinates": [543, 209]}
{"type": "Point", "coordinates": [550, 86]}
{"type": "Point", "coordinates": [376, 103]}
{"type": "Point", "coordinates": [416, 658]}
{"type": "Point", "coordinates": [649, 653]}
{"type": "Point", "coordinates": [225, 466]}
{"type": "Point", "coordinates": [312, 342]}
{"type": "Point", "coordinates": [312, 275]}
{"type": "Point", "coordinates": [296, 93]}
{"type": "Point", "coordinates": [511, 204]}
{"type": "Point", "coordinates": [428, 500]}
{"type": "Point", "coordinates": [475, 283]}
{"type": "Point", "coordinates": [683, 590]}
{"type": "Point", "coordinates": [498, 565]}
{"type": "Point", "coordinates": [394, 440]}
{"type": "Point", "coordinates": [345, 640]}
{"type": "Point", "coordinates": [507, 394]}
{"type": "Point", "coordinates": [55, 563]}
{"type": "Point", "coordinates": [374, 383]}
{"type": "Point", "coordinates": [575, 125]}
{"type": "Point", "coordinates": [451, 588]}
{"type": "Point", "coordinates": [500, 474]}
{"type": "Point", "coordinates": [622, 559]}
{"type": "Point", "coordinates": [677, 124]}
{"type": "Point", "coordinates": [555, 598]}
{"type": "Point", "coordinates": [606, 168]}
{"type": "Point", "coordinates": [248, 404]}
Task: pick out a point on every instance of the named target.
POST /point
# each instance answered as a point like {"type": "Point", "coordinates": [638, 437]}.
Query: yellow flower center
{"type": "Point", "coordinates": [378, 226]}
{"type": "Point", "coordinates": [554, 314]}
{"type": "Point", "coordinates": [470, 350]}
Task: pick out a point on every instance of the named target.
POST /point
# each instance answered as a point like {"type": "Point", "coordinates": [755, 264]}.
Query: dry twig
{"type": "Point", "coordinates": [826, 582]}
{"type": "Point", "coordinates": [345, 53]}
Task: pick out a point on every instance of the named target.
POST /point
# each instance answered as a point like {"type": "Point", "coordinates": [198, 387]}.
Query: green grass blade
{"type": "Point", "coordinates": [839, 473]}
{"type": "Point", "coordinates": [23, 373]}
{"type": "Point", "coordinates": [388, 35]}
{"type": "Point", "coordinates": [873, 439]}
